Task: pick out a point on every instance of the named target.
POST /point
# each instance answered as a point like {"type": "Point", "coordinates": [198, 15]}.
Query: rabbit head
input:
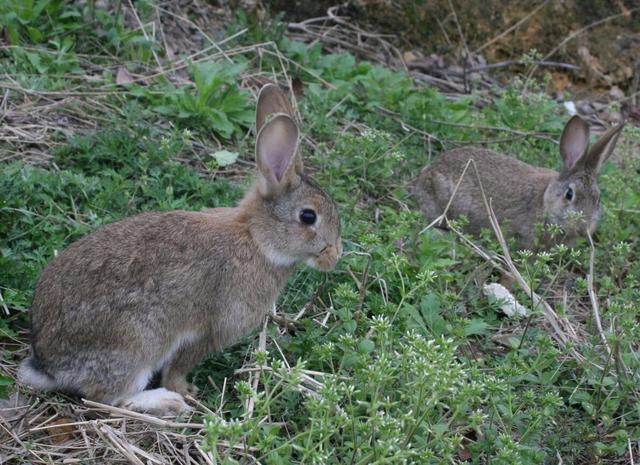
{"type": "Point", "coordinates": [572, 201]}
{"type": "Point", "coordinates": [292, 219]}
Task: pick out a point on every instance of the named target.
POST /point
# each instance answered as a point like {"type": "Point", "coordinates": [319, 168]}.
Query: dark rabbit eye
{"type": "Point", "coordinates": [569, 194]}
{"type": "Point", "coordinates": [307, 216]}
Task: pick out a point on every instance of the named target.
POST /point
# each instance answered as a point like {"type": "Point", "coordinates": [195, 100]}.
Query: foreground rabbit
{"type": "Point", "coordinates": [158, 291]}
{"type": "Point", "coordinates": [521, 195]}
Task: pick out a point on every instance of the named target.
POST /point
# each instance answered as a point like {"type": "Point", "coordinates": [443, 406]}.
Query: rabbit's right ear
{"type": "Point", "coordinates": [271, 100]}
{"type": "Point", "coordinates": [602, 150]}
{"type": "Point", "coordinates": [574, 142]}
{"type": "Point", "coordinates": [276, 149]}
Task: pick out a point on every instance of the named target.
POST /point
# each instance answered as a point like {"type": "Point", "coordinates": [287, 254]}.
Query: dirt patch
{"type": "Point", "coordinates": [602, 37]}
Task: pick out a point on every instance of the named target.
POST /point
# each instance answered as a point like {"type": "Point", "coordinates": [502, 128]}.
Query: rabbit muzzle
{"type": "Point", "coordinates": [583, 223]}
{"type": "Point", "coordinates": [327, 258]}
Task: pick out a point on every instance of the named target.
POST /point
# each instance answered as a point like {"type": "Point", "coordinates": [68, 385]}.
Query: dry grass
{"type": "Point", "coordinates": [43, 428]}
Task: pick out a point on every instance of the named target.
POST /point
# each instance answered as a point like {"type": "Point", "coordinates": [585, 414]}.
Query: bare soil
{"type": "Point", "coordinates": [601, 37]}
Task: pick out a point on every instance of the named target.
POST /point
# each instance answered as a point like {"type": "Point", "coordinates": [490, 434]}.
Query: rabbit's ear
{"type": "Point", "coordinates": [276, 149]}
{"type": "Point", "coordinates": [602, 149]}
{"type": "Point", "coordinates": [574, 141]}
{"type": "Point", "coordinates": [271, 100]}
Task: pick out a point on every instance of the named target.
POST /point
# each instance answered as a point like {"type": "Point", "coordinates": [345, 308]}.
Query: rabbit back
{"type": "Point", "coordinates": [514, 189]}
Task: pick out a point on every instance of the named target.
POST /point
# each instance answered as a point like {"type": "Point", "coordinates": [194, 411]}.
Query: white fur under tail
{"type": "Point", "coordinates": [31, 376]}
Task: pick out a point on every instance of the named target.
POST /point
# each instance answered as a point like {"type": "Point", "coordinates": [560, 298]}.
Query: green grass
{"type": "Point", "coordinates": [418, 366]}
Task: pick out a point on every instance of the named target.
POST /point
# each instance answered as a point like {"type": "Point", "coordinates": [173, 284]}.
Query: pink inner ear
{"type": "Point", "coordinates": [573, 154]}
{"type": "Point", "coordinates": [574, 141]}
{"type": "Point", "coordinates": [279, 162]}
{"type": "Point", "coordinates": [276, 146]}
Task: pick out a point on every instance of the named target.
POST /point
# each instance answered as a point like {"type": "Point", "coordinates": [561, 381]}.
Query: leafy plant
{"type": "Point", "coordinates": [216, 105]}
{"type": "Point", "coordinates": [37, 20]}
{"type": "Point", "coordinates": [60, 59]}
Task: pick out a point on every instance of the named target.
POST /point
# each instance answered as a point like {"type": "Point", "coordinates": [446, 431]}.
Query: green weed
{"type": "Point", "coordinates": [216, 104]}
{"type": "Point", "coordinates": [38, 21]}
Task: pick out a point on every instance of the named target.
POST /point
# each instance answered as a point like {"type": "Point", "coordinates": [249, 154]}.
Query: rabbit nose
{"type": "Point", "coordinates": [327, 258]}
{"type": "Point", "coordinates": [334, 249]}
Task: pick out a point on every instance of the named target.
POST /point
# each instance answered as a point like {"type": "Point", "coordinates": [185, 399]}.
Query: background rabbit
{"type": "Point", "coordinates": [521, 195]}
{"type": "Point", "coordinates": [158, 291]}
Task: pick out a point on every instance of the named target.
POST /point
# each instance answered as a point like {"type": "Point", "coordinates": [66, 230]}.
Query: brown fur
{"type": "Point", "coordinates": [521, 195]}
{"type": "Point", "coordinates": [159, 291]}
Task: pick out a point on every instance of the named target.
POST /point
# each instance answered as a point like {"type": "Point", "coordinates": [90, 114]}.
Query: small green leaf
{"type": "Point", "coordinates": [475, 327]}
{"type": "Point", "coordinates": [439, 429]}
{"type": "Point", "coordinates": [431, 313]}
{"type": "Point", "coordinates": [14, 36]}
{"type": "Point", "coordinates": [34, 34]}
{"type": "Point", "coordinates": [5, 383]}
{"type": "Point", "coordinates": [366, 346]}
{"type": "Point", "coordinates": [70, 13]}
{"type": "Point", "coordinates": [225, 158]}
{"type": "Point", "coordinates": [350, 326]}
{"type": "Point", "coordinates": [350, 359]}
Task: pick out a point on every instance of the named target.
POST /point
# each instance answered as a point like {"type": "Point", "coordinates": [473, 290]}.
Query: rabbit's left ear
{"type": "Point", "coordinates": [602, 150]}
{"type": "Point", "coordinates": [574, 142]}
{"type": "Point", "coordinates": [276, 149]}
